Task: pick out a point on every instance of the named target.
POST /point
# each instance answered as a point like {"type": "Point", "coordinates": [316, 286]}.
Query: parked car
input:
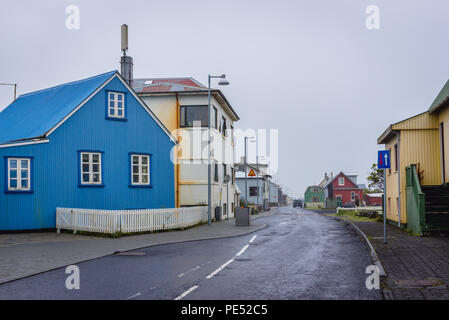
{"type": "Point", "coordinates": [297, 203]}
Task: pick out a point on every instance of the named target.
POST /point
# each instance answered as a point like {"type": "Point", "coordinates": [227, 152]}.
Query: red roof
{"type": "Point", "coordinates": [167, 85]}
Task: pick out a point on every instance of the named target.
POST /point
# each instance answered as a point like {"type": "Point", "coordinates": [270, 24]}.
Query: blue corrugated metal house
{"type": "Point", "coordinates": [92, 143]}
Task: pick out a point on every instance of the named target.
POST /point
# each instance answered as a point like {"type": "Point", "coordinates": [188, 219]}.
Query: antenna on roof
{"type": "Point", "coordinates": [124, 38]}
{"type": "Point", "coordinates": [126, 62]}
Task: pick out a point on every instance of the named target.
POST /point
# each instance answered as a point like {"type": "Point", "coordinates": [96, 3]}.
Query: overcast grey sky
{"type": "Point", "coordinates": [308, 68]}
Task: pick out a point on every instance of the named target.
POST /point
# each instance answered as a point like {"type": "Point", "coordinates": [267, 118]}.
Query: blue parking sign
{"type": "Point", "coordinates": [383, 159]}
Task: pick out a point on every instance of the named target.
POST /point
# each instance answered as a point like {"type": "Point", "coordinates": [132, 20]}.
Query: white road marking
{"type": "Point", "coordinates": [243, 250]}
{"type": "Point", "coordinates": [252, 239]}
{"type": "Point", "coordinates": [219, 269]}
{"type": "Point", "coordinates": [290, 221]}
{"type": "Point", "coordinates": [188, 271]}
{"type": "Point", "coordinates": [186, 293]}
{"type": "Point", "coordinates": [134, 296]}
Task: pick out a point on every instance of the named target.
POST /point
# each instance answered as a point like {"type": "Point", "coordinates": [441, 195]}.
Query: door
{"type": "Point", "coordinates": [339, 201]}
{"type": "Point", "coordinates": [443, 165]}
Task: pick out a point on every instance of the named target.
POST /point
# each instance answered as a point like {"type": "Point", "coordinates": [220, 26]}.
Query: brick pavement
{"type": "Point", "coordinates": [417, 267]}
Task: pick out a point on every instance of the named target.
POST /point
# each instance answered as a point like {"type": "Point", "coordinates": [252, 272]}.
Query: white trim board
{"type": "Point", "coordinates": [18, 144]}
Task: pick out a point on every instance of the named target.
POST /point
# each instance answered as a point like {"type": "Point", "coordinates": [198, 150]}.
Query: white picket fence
{"type": "Point", "coordinates": [127, 221]}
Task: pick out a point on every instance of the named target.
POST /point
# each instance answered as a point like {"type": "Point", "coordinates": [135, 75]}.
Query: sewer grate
{"type": "Point", "coordinates": [419, 283]}
{"type": "Point", "coordinates": [130, 253]}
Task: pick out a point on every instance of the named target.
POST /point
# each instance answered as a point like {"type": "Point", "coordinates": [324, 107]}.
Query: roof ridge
{"type": "Point", "coordinates": [67, 83]}
{"type": "Point", "coordinates": [169, 83]}
{"type": "Point", "coordinates": [173, 78]}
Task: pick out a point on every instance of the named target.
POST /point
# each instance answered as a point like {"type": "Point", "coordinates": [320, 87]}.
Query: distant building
{"type": "Point", "coordinates": [373, 199]}
{"type": "Point", "coordinates": [273, 194]}
{"type": "Point", "coordinates": [260, 189]}
{"type": "Point", "coordinates": [342, 190]}
{"type": "Point", "coordinates": [314, 197]}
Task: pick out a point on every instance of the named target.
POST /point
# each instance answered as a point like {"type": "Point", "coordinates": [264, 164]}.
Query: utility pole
{"type": "Point", "coordinates": [246, 183]}
{"type": "Point", "coordinates": [257, 164]}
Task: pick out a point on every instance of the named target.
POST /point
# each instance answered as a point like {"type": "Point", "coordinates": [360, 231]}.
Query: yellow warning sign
{"type": "Point", "coordinates": [251, 173]}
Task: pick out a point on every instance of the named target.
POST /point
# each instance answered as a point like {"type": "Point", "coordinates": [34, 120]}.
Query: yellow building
{"type": "Point", "coordinates": [411, 141]}
{"type": "Point", "coordinates": [182, 105]}
{"type": "Point", "coordinates": [420, 140]}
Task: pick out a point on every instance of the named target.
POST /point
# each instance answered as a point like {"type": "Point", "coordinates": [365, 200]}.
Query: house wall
{"type": "Point", "coordinates": [252, 182]}
{"type": "Point", "coordinates": [309, 195]}
{"type": "Point", "coordinates": [56, 166]}
{"type": "Point", "coordinates": [273, 193]}
{"type": "Point", "coordinates": [443, 116]}
{"type": "Point", "coordinates": [345, 190]}
{"type": "Point", "coordinates": [392, 183]}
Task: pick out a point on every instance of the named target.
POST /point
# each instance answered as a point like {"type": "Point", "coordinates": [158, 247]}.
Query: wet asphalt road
{"type": "Point", "coordinates": [300, 255]}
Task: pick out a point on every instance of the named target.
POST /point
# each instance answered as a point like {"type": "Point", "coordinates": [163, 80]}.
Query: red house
{"type": "Point", "coordinates": [342, 190]}
{"type": "Point", "coordinates": [373, 199]}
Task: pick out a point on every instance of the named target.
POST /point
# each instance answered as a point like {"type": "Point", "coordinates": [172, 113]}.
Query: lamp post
{"type": "Point", "coordinates": [222, 82]}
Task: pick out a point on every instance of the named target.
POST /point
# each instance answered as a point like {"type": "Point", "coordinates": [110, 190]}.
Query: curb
{"type": "Point", "coordinates": [373, 253]}
{"type": "Point", "coordinates": [3, 281]}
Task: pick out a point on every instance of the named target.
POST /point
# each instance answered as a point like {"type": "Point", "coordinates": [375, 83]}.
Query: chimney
{"type": "Point", "coordinates": [332, 174]}
{"type": "Point", "coordinates": [126, 62]}
{"type": "Point", "coordinates": [325, 176]}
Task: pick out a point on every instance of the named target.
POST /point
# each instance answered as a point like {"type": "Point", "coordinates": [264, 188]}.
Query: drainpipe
{"type": "Point", "coordinates": [398, 135]}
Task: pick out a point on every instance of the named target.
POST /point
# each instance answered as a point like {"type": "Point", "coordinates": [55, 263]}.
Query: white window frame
{"type": "Point", "coordinates": [90, 171]}
{"type": "Point", "coordinates": [19, 178]}
{"type": "Point", "coordinates": [113, 110]}
{"type": "Point", "coordinates": [140, 166]}
{"type": "Point", "coordinates": [352, 196]}
{"type": "Point", "coordinates": [342, 179]}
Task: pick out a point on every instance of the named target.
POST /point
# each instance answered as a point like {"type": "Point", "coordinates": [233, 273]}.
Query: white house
{"type": "Point", "coordinates": [258, 183]}
{"type": "Point", "coordinates": [181, 104]}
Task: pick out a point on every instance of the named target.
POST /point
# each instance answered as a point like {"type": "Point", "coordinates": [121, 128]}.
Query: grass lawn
{"type": "Point", "coordinates": [351, 216]}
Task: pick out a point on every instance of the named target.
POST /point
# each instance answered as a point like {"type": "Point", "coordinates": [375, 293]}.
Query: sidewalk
{"type": "Point", "coordinates": [26, 254]}
{"type": "Point", "coordinates": [417, 267]}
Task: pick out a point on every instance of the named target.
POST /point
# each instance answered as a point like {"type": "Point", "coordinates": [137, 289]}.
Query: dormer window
{"type": "Point", "coordinates": [116, 105]}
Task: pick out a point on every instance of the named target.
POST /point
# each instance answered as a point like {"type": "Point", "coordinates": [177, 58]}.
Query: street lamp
{"type": "Point", "coordinates": [223, 82]}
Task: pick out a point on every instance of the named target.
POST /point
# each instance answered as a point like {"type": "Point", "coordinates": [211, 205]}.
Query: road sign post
{"type": "Point", "coordinates": [383, 162]}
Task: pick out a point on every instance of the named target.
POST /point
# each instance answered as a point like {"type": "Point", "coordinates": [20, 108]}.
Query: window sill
{"type": "Point", "coordinates": [19, 191]}
{"type": "Point", "coordinates": [116, 119]}
{"type": "Point", "coordinates": [91, 186]}
{"type": "Point", "coordinates": [140, 187]}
